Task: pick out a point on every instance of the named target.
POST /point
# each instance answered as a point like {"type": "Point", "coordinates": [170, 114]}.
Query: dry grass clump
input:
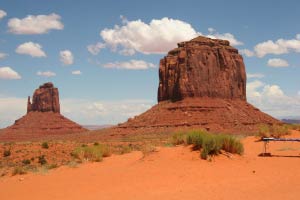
{"type": "Point", "coordinates": [212, 144]}
{"type": "Point", "coordinates": [293, 126]}
{"type": "Point", "coordinates": [18, 170]}
{"type": "Point", "coordinates": [91, 153]}
{"type": "Point", "coordinates": [178, 138]}
{"type": "Point", "coordinates": [275, 131]}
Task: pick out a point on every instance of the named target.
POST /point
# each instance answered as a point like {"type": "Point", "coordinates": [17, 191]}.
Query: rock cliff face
{"type": "Point", "coordinates": [202, 67]}
{"type": "Point", "coordinates": [202, 85]}
{"type": "Point", "coordinates": [45, 99]}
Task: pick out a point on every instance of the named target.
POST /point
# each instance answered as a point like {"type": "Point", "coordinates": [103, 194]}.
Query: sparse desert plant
{"type": "Point", "coordinates": [91, 153]}
{"type": "Point", "coordinates": [196, 138]}
{"type": "Point", "coordinates": [147, 149]}
{"type": "Point", "coordinates": [45, 145]}
{"type": "Point", "coordinates": [26, 162]}
{"type": "Point", "coordinates": [18, 170]}
{"type": "Point", "coordinates": [42, 160]}
{"type": "Point", "coordinates": [96, 144]}
{"type": "Point", "coordinates": [278, 131]}
{"type": "Point", "coordinates": [212, 144]}
{"type": "Point", "coordinates": [275, 131]}
{"type": "Point", "coordinates": [6, 153]}
{"type": "Point", "coordinates": [232, 144]}
{"type": "Point", "coordinates": [264, 131]}
{"type": "Point", "coordinates": [52, 166]}
{"type": "Point", "coordinates": [125, 149]}
{"type": "Point", "coordinates": [178, 138]}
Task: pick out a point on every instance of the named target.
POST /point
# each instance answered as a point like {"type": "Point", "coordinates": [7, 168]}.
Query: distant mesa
{"type": "Point", "coordinates": [43, 117]}
{"type": "Point", "coordinates": [202, 84]}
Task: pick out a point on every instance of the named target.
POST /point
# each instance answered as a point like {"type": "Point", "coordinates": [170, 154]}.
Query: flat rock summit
{"type": "Point", "coordinates": [43, 117]}
{"type": "Point", "coordinates": [202, 84]}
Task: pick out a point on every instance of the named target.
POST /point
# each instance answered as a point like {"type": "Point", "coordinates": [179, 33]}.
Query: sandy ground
{"type": "Point", "coordinates": [169, 173]}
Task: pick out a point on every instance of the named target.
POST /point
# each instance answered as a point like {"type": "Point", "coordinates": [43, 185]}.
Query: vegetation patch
{"type": "Point", "coordinates": [6, 153]}
{"type": "Point", "coordinates": [45, 145]}
{"type": "Point", "coordinates": [212, 144]}
{"type": "Point", "coordinates": [275, 131]}
{"type": "Point", "coordinates": [91, 153]}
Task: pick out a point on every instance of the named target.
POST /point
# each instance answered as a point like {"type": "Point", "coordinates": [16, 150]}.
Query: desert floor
{"type": "Point", "coordinates": [169, 173]}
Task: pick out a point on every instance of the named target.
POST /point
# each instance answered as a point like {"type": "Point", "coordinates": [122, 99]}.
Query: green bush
{"type": "Point", "coordinates": [264, 131]}
{"type": "Point", "coordinates": [275, 131]}
{"type": "Point", "coordinates": [42, 160]}
{"type": "Point", "coordinates": [178, 138]}
{"type": "Point", "coordinates": [6, 153]}
{"type": "Point", "coordinates": [18, 170]}
{"type": "Point", "coordinates": [212, 144]}
{"type": "Point", "coordinates": [91, 153]}
{"type": "Point", "coordinates": [45, 145]}
{"type": "Point", "coordinates": [26, 162]}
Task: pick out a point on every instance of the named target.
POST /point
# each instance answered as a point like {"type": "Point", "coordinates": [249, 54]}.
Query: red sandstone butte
{"type": "Point", "coordinates": [45, 99]}
{"type": "Point", "coordinates": [202, 84]}
{"type": "Point", "coordinates": [43, 118]}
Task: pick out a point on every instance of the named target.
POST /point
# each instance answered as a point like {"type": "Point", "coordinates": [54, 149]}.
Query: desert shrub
{"type": "Point", "coordinates": [91, 153]}
{"type": "Point", "coordinates": [52, 166]}
{"type": "Point", "coordinates": [26, 162]}
{"type": "Point", "coordinates": [264, 131]}
{"type": "Point", "coordinates": [123, 149]}
{"type": "Point", "coordinates": [45, 145]}
{"type": "Point", "coordinates": [212, 144]}
{"type": "Point", "coordinates": [6, 153]}
{"type": "Point", "coordinates": [278, 131]}
{"type": "Point", "coordinates": [96, 144]}
{"type": "Point", "coordinates": [178, 138]}
{"type": "Point", "coordinates": [18, 170]}
{"type": "Point", "coordinates": [232, 145]}
{"type": "Point", "coordinates": [196, 138]}
{"type": "Point", "coordinates": [147, 149]}
{"type": "Point", "coordinates": [42, 160]}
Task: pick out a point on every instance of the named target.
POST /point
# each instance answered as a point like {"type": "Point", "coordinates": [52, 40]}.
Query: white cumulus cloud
{"type": "Point", "coordinates": [2, 14]}
{"type": "Point", "coordinates": [157, 37]}
{"type": "Point", "coordinates": [3, 55]}
{"type": "Point", "coordinates": [277, 62]}
{"type": "Point", "coordinates": [130, 65]}
{"type": "Point", "coordinates": [46, 73]}
{"type": "Point", "coordinates": [38, 24]}
{"type": "Point", "coordinates": [255, 75]}
{"type": "Point", "coordinates": [32, 49]}
{"type": "Point", "coordinates": [223, 36]}
{"type": "Point", "coordinates": [66, 57]}
{"type": "Point", "coordinates": [95, 48]}
{"type": "Point", "coordinates": [8, 73]}
{"type": "Point", "coordinates": [247, 52]}
{"type": "Point", "coordinates": [272, 99]}
{"type": "Point", "coordinates": [281, 46]}
{"type": "Point", "coordinates": [76, 72]}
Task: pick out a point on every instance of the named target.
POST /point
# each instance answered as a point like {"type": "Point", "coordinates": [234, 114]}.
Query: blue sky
{"type": "Point", "coordinates": [117, 79]}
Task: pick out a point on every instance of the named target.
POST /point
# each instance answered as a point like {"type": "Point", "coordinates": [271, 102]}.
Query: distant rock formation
{"type": "Point", "coordinates": [45, 99]}
{"type": "Point", "coordinates": [202, 67]}
{"type": "Point", "coordinates": [43, 118]}
{"type": "Point", "coordinates": [202, 85]}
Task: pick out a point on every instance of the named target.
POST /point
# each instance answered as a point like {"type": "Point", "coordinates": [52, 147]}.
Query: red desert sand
{"type": "Point", "coordinates": [169, 173]}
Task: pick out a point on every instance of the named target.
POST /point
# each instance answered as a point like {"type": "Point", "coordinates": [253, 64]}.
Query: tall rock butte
{"type": "Point", "coordinates": [45, 99]}
{"type": "Point", "coordinates": [43, 117]}
{"type": "Point", "coordinates": [202, 84]}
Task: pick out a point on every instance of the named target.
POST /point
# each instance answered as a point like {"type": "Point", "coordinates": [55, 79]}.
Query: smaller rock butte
{"type": "Point", "coordinates": [202, 85]}
{"type": "Point", "coordinates": [43, 117]}
{"type": "Point", "coordinates": [45, 99]}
